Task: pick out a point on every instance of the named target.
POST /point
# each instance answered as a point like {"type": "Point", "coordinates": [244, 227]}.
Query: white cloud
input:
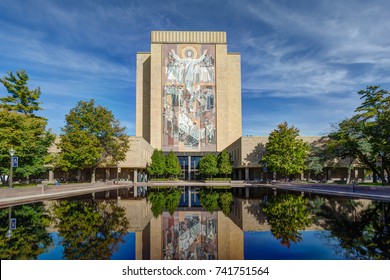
{"type": "Point", "coordinates": [315, 53]}
{"type": "Point", "coordinates": [320, 52]}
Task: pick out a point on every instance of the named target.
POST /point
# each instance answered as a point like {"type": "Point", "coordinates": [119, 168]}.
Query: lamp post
{"type": "Point", "coordinates": [382, 154]}
{"type": "Point", "coordinates": [11, 153]}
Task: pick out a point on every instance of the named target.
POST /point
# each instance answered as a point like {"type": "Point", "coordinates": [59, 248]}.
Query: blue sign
{"type": "Point", "coordinates": [13, 223]}
{"type": "Point", "coordinates": [15, 161]}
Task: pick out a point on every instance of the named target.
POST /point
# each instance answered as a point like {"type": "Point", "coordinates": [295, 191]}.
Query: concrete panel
{"type": "Point", "coordinates": [234, 120]}
{"type": "Point", "coordinates": [199, 37]}
{"type": "Point", "coordinates": [155, 97]}
{"type": "Point", "coordinates": [222, 96]}
{"type": "Point", "coordinates": [143, 96]}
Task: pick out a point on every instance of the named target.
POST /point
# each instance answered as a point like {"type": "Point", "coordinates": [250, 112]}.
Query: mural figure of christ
{"type": "Point", "coordinates": [189, 63]}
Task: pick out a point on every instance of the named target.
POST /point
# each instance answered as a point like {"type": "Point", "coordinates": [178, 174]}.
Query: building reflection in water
{"type": "Point", "coordinates": [190, 233]}
{"type": "Point", "coordinates": [190, 236]}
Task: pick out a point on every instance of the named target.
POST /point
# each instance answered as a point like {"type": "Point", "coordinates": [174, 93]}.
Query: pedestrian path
{"type": "Point", "coordinates": [351, 191]}
{"type": "Point", "coordinates": [17, 196]}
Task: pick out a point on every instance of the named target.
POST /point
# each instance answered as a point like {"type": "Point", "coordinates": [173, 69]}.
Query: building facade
{"type": "Point", "coordinates": [188, 101]}
{"type": "Point", "coordinates": [188, 91]}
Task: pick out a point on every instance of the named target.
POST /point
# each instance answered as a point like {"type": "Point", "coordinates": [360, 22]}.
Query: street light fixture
{"type": "Point", "coordinates": [11, 153]}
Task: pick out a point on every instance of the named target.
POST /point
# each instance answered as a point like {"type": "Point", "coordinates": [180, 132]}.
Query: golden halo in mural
{"type": "Point", "coordinates": [189, 52]}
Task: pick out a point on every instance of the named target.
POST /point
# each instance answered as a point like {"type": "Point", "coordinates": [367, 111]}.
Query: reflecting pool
{"type": "Point", "coordinates": [197, 223]}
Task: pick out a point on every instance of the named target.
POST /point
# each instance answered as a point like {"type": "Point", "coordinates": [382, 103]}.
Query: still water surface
{"type": "Point", "coordinates": [192, 223]}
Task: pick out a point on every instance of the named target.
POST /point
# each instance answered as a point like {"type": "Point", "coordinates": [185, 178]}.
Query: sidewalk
{"type": "Point", "coordinates": [17, 196]}
{"type": "Point", "coordinates": [353, 191]}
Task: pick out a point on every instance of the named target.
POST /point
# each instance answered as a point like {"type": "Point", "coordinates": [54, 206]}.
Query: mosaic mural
{"type": "Point", "coordinates": [190, 236]}
{"type": "Point", "coordinates": [188, 93]}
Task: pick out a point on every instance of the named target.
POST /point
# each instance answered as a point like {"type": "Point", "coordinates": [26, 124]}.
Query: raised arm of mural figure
{"type": "Point", "coordinates": [201, 57]}
{"type": "Point", "coordinates": [175, 55]}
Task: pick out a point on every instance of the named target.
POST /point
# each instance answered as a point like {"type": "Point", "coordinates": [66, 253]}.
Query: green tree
{"type": "Point", "coordinates": [92, 137]}
{"type": "Point", "coordinates": [361, 138]}
{"type": "Point", "coordinates": [287, 214]}
{"type": "Point", "coordinates": [374, 116]}
{"type": "Point", "coordinates": [285, 153]}
{"type": "Point", "coordinates": [225, 166]}
{"type": "Point", "coordinates": [21, 98]}
{"type": "Point", "coordinates": [157, 166]}
{"type": "Point", "coordinates": [208, 165]}
{"type": "Point", "coordinates": [314, 162]}
{"type": "Point", "coordinates": [347, 143]}
{"type": "Point", "coordinates": [30, 238]}
{"type": "Point", "coordinates": [209, 200]}
{"type": "Point", "coordinates": [172, 165]}
{"type": "Point", "coordinates": [22, 130]}
{"type": "Point", "coordinates": [90, 230]}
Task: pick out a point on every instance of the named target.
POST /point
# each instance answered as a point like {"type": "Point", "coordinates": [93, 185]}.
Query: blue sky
{"type": "Point", "coordinates": [302, 61]}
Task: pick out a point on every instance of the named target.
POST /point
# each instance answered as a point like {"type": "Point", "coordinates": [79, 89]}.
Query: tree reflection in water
{"type": "Point", "coordinates": [164, 199]}
{"type": "Point", "coordinates": [209, 199]}
{"type": "Point", "coordinates": [361, 230]}
{"type": "Point", "coordinates": [157, 200]}
{"type": "Point", "coordinates": [172, 200]}
{"type": "Point", "coordinates": [30, 238]}
{"type": "Point", "coordinates": [287, 214]}
{"type": "Point", "coordinates": [212, 200]}
{"type": "Point", "coordinates": [225, 202]}
{"type": "Point", "coordinates": [90, 230]}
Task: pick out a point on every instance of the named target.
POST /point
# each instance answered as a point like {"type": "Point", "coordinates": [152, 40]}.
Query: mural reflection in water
{"type": "Point", "coordinates": [190, 236]}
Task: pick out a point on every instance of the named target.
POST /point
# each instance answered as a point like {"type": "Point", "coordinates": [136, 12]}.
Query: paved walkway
{"type": "Point", "coordinates": [17, 196]}
{"type": "Point", "coordinates": [358, 191]}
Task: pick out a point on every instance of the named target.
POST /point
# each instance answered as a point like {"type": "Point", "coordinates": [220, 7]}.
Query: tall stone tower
{"type": "Point", "coordinates": [188, 93]}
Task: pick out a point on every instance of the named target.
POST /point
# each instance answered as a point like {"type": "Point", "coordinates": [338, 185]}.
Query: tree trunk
{"type": "Point", "coordinates": [349, 175]}
{"type": "Point", "coordinates": [93, 175]}
{"type": "Point", "coordinates": [388, 176]}
{"type": "Point", "coordinates": [385, 169]}
{"type": "Point", "coordinates": [4, 181]}
{"type": "Point", "coordinates": [78, 175]}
